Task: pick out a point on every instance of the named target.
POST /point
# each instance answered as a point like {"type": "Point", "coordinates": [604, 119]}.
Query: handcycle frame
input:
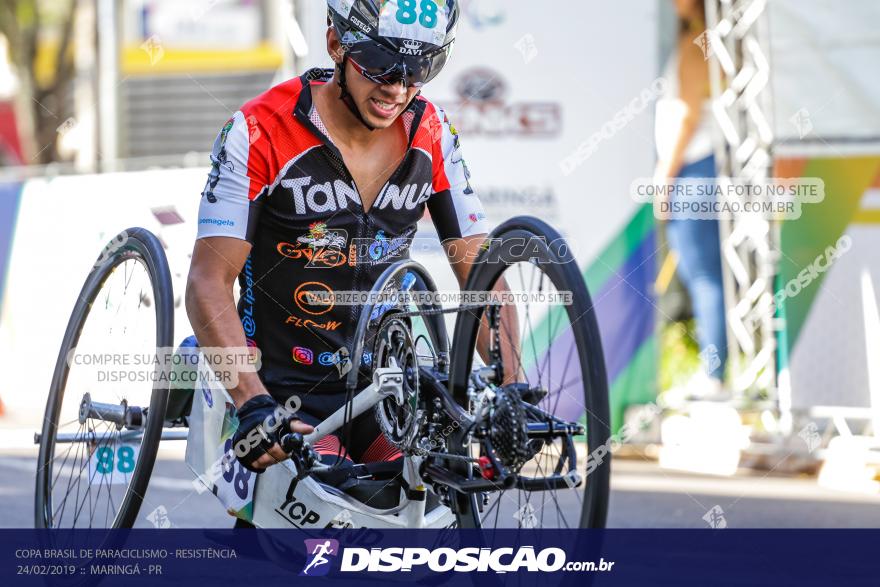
{"type": "Point", "coordinates": [308, 501]}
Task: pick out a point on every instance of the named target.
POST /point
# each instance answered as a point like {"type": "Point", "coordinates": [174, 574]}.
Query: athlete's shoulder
{"type": "Point", "coordinates": [435, 123]}
{"type": "Point", "coordinates": [433, 112]}
{"type": "Point", "coordinates": [279, 100]}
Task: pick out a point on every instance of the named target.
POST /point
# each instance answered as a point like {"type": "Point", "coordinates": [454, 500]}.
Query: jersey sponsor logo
{"type": "Point", "coordinates": [303, 355]}
{"type": "Point", "coordinates": [217, 221]}
{"type": "Point", "coordinates": [329, 359]}
{"type": "Point", "coordinates": [322, 248]}
{"type": "Point", "coordinates": [329, 325]}
{"type": "Point", "coordinates": [408, 197]}
{"type": "Point", "coordinates": [247, 318]}
{"type": "Point", "coordinates": [381, 249]}
{"type": "Point", "coordinates": [476, 217]}
{"type": "Point", "coordinates": [319, 237]}
{"type": "Point", "coordinates": [317, 198]}
{"type": "Point", "coordinates": [314, 297]}
{"type": "Point", "coordinates": [320, 198]}
{"type": "Point", "coordinates": [218, 160]}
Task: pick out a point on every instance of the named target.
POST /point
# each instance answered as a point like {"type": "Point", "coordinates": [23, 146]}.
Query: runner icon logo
{"type": "Point", "coordinates": [318, 553]}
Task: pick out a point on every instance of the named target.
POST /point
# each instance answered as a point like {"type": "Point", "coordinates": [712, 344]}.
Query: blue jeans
{"type": "Point", "coordinates": [698, 246]}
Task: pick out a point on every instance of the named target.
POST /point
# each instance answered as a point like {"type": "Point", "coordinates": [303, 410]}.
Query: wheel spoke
{"type": "Point", "coordinates": [61, 468]}
{"type": "Point", "coordinates": [69, 482]}
{"type": "Point", "coordinates": [114, 311]}
{"type": "Point", "coordinates": [556, 365]}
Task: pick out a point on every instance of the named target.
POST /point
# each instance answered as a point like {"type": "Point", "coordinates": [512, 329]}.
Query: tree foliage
{"type": "Point", "coordinates": [27, 25]}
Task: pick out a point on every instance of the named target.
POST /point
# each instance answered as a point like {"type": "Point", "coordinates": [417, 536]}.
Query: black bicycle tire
{"type": "Point", "coordinates": [134, 243]}
{"type": "Point", "coordinates": [436, 326]}
{"type": "Point", "coordinates": [566, 276]}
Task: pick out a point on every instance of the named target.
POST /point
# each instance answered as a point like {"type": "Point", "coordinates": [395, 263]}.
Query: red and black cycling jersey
{"type": "Point", "coordinates": [278, 182]}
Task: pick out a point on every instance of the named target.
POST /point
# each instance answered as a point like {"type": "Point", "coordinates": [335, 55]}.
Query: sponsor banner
{"type": "Point", "coordinates": [448, 557]}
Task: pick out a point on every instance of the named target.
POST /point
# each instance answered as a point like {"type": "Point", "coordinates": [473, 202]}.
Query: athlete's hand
{"type": "Point", "coordinates": [261, 424]}
{"type": "Point", "coordinates": [275, 455]}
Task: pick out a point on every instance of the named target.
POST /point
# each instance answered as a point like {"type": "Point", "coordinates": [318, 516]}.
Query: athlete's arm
{"type": "Point", "coordinates": [227, 221]}
{"type": "Point", "coordinates": [227, 218]}
{"type": "Point", "coordinates": [210, 305]}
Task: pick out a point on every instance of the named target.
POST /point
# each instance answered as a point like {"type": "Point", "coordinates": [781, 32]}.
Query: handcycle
{"type": "Point", "coordinates": [481, 449]}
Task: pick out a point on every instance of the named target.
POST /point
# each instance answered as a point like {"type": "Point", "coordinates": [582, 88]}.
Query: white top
{"type": "Point", "coordinates": [670, 111]}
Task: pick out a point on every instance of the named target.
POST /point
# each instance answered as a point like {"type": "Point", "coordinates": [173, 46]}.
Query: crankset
{"type": "Point", "coordinates": [398, 416]}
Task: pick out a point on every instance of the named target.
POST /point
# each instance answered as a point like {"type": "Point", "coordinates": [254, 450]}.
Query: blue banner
{"type": "Point", "coordinates": [449, 557]}
{"type": "Point", "coordinates": [10, 194]}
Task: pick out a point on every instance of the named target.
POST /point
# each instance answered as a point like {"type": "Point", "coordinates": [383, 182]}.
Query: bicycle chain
{"type": "Point", "coordinates": [412, 314]}
{"type": "Point", "coordinates": [445, 455]}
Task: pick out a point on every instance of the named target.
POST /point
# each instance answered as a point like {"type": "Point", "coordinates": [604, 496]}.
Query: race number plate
{"type": "Point", "coordinates": [235, 486]}
{"type": "Point", "coordinates": [112, 463]}
{"type": "Point", "coordinates": [421, 20]}
{"type": "Point", "coordinates": [213, 422]}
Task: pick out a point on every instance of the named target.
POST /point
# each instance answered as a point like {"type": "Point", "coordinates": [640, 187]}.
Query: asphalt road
{"type": "Point", "coordinates": [643, 496]}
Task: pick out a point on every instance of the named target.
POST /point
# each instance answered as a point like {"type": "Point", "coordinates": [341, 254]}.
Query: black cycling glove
{"type": "Point", "coordinates": [258, 430]}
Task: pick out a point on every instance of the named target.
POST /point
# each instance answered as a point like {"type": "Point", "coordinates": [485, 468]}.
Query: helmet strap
{"type": "Point", "coordinates": [346, 96]}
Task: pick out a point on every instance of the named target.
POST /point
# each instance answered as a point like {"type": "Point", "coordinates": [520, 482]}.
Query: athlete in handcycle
{"type": "Point", "coordinates": [316, 189]}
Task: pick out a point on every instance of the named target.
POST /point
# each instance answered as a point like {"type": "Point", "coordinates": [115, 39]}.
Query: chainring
{"type": "Point", "coordinates": [394, 347]}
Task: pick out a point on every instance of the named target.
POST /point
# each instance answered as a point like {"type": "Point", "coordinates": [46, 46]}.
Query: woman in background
{"type": "Point", "coordinates": [685, 151]}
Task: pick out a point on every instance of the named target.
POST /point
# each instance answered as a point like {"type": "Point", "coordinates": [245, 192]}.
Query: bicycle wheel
{"type": "Point", "coordinates": [429, 331]}
{"type": "Point", "coordinates": [547, 325]}
{"type": "Point", "coordinates": [106, 407]}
